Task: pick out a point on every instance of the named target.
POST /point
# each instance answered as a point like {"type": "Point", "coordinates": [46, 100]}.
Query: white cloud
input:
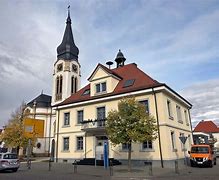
{"type": "Point", "coordinates": [205, 100]}
{"type": "Point", "coordinates": [157, 35]}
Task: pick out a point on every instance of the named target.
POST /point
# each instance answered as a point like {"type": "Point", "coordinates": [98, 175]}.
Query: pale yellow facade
{"type": "Point", "coordinates": [169, 109]}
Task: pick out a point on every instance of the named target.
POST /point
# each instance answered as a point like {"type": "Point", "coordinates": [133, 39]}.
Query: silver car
{"type": "Point", "coordinates": [9, 161]}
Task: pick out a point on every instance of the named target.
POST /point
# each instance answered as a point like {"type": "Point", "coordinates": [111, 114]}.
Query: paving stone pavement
{"type": "Point", "coordinates": [40, 170]}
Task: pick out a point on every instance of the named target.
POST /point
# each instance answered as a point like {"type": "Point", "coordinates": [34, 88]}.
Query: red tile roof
{"type": "Point", "coordinates": [206, 127]}
{"type": "Point", "coordinates": [127, 72]}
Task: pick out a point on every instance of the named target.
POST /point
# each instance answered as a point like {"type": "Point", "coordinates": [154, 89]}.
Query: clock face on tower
{"type": "Point", "coordinates": [59, 67]}
{"type": "Point", "coordinates": [74, 68]}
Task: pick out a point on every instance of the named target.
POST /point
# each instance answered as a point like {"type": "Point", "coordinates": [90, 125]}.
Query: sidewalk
{"type": "Point", "coordinates": [66, 170]}
{"type": "Point", "coordinates": [35, 159]}
{"type": "Point", "coordinates": [184, 173]}
{"type": "Point", "coordinates": [143, 173]}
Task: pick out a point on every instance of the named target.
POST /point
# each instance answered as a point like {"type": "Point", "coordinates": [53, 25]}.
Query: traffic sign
{"type": "Point", "coordinates": [183, 139]}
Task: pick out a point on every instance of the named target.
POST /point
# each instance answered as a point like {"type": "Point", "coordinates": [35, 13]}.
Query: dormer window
{"type": "Point", "coordinates": [86, 92]}
{"type": "Point", "coordinates": [101, 87]}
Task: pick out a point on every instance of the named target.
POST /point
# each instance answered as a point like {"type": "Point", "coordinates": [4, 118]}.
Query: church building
{"type": "Point", "coordinates": [81, 112]}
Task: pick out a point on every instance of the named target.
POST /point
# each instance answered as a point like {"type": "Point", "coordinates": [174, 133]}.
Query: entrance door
{"type": "Point", "coordinates": [100, 147]}
{"type": "Point", "coordinates": [100, 140]}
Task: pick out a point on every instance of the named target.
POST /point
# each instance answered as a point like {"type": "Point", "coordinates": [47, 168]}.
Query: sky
{"type": "Point", "coordinates": [175, 42]}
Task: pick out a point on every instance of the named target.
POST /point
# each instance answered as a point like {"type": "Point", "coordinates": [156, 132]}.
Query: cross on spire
{"type": "Point", "coordinates": [68, 10]}
{"type": "Point", "coordinates": [67, 50]}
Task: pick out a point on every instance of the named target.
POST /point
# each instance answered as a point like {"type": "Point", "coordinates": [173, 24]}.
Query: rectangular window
{"type": "Point", "coordinates": [80, 143]}
{"type": "Point", "coordinates": [80, 116]}
{"type": "Point", "coordinates": [147, 145]}
{"type": "Point", "coordinates": [179, 115]}
{"type": "Point", "coordinates": [169, 108]}
{"type": "Point", "coordinates": [146, 104]}
{"type": "Point", "coordinates": [181, 135]}
{"type": "Point", "coordinates": [97, 88]}
{"type": "Point", "coordinates": [173, 140]}
{"type": "Point", "coordinates": [125, 146]}
{"type": "Point", "coordinates": [66, 119]}
{"type": "Point", "coordinates": [186, 117]}
{"type": "Point", "coordinates": [66, 144]}
{"type": "Point", "coordinates": [101, 87]}
{"type": "Point", "coordinates": [101, 117]}
{"type": "Point", "coordinates": [54, 127]}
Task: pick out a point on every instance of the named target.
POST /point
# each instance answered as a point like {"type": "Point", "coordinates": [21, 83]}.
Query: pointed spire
{"type": "Point", "coordinates": [67, 50]}
{"type": "Point", "coordinates": [68, 18]}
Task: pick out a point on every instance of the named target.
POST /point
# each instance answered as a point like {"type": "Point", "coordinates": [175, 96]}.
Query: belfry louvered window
{"type": "Point", "coordinates": [59, 88]}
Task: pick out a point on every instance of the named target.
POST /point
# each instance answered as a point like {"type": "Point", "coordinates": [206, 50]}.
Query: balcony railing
{"type": "Point", "coordinates": [93, 124]}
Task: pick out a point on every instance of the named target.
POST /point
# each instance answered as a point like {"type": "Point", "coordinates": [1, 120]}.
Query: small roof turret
{"type": "Point", "coordinates": [120, 59]}
{"type": "Point", "coordinates": [67, 50]}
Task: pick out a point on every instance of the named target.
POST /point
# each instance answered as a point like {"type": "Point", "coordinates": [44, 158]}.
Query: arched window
{"type": "Point", "coordinates": [76, 82]}
{"type": "Point", "coordinates": [60, 85]}
{"type": "Point", "coordinates": [72, 84]}
{"type": "Point", "coordinates": [58, 88]}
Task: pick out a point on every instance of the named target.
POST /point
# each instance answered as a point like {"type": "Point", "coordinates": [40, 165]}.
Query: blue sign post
{"type": "Point", "coordinates": [105, 155]}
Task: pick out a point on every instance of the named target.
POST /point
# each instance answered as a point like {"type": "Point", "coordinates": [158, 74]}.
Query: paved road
{"type": "Point", "coordinates": [40, 171]}
{"type": "Point", "coordinates": [64, 171]}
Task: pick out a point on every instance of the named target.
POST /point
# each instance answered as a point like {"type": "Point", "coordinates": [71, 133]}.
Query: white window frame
{"type": "Point", "coordinates": [77, 140]}
{"type": "Point", "coordinates": [179, 114]}
{"type": "Point", "coordinates": [101, 87]}
{"type": "Point", "coordinates": [63, 144]}
{"type": "Point", "coordinates": [78, 116]}
{"type": "Point", "coordinates": [100, 123]}
{"type": "Point", "coordinates": [186, 117]}
{"type": "Point", "coordinates": [64, 119]}
{"type": "Point", "coordinates": [169, 109]}
{"type": "Point", "coordinates": [173, 140]}
{"type": "Point", "coordinates": [147, 148]}
{"type": "Point", "coordinates": [148, 106]}
{"type": "Point", "coordinates": [125, 149]}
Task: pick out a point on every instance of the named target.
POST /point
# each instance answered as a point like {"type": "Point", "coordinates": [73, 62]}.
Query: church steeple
{"type": "Point", "coordinates": [67, 50]}
{"type": "Point", "coordinates": [67, 73]}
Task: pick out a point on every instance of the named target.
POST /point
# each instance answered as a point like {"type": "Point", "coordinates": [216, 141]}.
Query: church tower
{"type": "Point", "coordinates": [67, 75]}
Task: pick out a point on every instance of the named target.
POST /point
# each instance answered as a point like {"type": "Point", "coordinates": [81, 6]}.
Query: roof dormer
{"type": "Point", "coordinates": [102, 81]}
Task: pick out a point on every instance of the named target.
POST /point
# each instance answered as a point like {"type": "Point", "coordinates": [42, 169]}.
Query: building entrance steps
{"type": "Point", "coordinates": [91, 161]}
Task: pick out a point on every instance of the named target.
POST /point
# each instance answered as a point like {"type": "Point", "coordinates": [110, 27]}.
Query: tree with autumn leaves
{"type": "Point", "coordinates": [13, 134]}
{"type": "Point", "coordinates": [130, 123]}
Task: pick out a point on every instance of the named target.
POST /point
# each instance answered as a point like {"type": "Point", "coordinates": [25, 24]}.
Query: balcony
{"type": "Point", "coordinates": [94, 127]}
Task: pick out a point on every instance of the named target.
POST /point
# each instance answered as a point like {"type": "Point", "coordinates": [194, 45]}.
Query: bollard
{"type": "Point", "coordinates": [150, 169]}
{"type": "Point", "coordinates": [176, 167]}
{"type": "Point", "coordinates": [50, 164]}
{"type": "Point", "coordinates": [29, 163]}
{"type": "Point", "coordinates": [111, 168]}
{"type": "Point", "coordinates": [75, 166]}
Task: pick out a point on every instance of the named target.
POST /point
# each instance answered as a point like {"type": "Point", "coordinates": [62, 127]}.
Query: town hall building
{"type": "Point", "coordinates": [81, 112]}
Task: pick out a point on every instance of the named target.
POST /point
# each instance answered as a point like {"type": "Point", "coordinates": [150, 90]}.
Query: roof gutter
{"type": "Point", "coordinates": [163, 87]}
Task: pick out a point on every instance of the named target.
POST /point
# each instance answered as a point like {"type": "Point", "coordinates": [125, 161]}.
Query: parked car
{"type": "Point", "coordinates": [202, 154]}
{"type": "Point", "coordinates": [9, 161]}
